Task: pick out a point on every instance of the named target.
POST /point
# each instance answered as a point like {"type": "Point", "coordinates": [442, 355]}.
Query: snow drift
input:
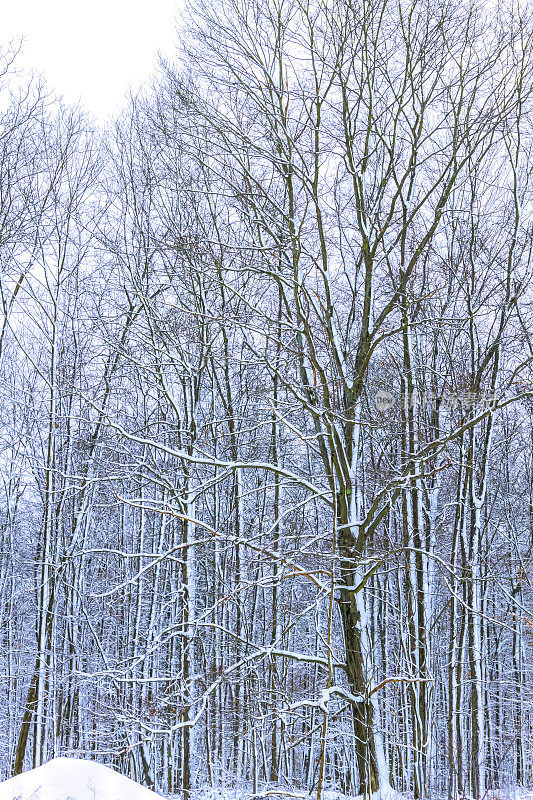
{"type": "Point", "coordinates": [73, 779]}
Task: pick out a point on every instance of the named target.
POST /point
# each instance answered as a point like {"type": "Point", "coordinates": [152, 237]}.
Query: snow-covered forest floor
{"type": "Point", "coordinates": [514, 793]}
{"type": "Point", "coordinates": [79, 779]}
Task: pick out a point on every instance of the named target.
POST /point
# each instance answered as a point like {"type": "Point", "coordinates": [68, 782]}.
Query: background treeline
{"type": "Point", "coordinates": [266, 509]}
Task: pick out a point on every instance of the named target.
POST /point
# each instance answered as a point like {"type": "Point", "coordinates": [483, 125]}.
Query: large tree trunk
{"type": "Point", "coordinates": [29, 710]}
{"type": "Point", "coordinates": [353, 623]}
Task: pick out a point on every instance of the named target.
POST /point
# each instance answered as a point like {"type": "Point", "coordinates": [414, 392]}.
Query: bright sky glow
{"type": "Point", "coordinates": [91, 50]}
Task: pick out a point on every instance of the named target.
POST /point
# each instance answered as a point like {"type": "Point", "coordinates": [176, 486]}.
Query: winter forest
{"type": "Point", "coordinates": [266, 356]}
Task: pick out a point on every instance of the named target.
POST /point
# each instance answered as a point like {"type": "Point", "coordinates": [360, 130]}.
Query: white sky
{"type": "Point", "coordinates": [91, 50]}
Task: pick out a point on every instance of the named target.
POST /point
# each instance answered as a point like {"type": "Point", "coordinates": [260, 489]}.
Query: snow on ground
{"type": "Point", "coordinates": [73, 779]}
{"type": "Point", "coordinates": [78, 779]}
{"type": "Point", "coordinates": [277, 793]}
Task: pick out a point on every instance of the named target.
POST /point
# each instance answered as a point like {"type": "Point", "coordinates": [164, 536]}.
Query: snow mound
{"type": "Point", "coordinates": [73, 779]}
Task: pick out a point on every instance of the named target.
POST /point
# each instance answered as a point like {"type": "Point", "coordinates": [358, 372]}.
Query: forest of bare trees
{"type": "Point", "coordinates": [266, 355]}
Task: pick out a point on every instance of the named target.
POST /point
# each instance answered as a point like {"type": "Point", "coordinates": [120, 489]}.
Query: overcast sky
{"type": "Point", "coordinates": [91, 49]}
